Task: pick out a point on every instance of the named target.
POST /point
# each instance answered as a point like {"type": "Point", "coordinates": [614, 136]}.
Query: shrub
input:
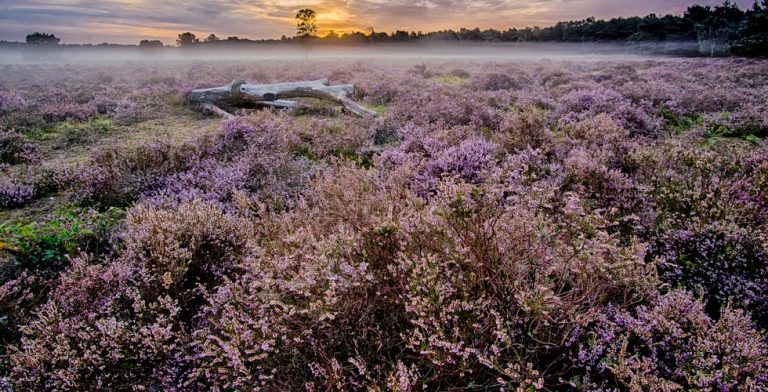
{"type": "Point", "coordinates": [15, 148]}
{"type": "Point", "coordinates": [495, 81]}
{"type": "Point", "coordinates": [14, 193]}
{"type": "Point", "coordinates": [168, 261]}
{"type": "Point", "coordinates": [529, 230]}
{"type": "Point", "coordinates": [524, 129]}
{"type": "Point", "coordinates": [726, 268]}
{"type": "Point", "coordinates": [115, 177]}
{"type": "Point", "coordinates": [487, 293]}
{"type": "Point", "coordinates": [582, 104]}
{"type": "Point", "coordinates": [69, 134]}
{"type": "Point", "coordinates": [36, 253]}
{"type": "Point", "coordinates": [673, 345]}
{"type": "Point", "coordinates": [471, 160]}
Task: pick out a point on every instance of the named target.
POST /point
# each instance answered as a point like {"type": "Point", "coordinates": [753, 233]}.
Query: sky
{"type": "Point", "coordinates": [128, 21]}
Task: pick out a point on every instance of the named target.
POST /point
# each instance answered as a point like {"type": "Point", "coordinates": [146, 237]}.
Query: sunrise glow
{"type": "Point", "coordinates": [128, 21]}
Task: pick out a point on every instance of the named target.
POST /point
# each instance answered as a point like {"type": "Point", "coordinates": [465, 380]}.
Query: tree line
{"type": "Point", "coordinates": [718, 30]}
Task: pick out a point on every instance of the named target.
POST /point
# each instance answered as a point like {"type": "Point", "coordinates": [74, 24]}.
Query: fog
{"type": "Point", "coordinates": [379, 52]}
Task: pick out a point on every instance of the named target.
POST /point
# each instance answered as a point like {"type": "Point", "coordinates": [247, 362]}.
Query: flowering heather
{"type": "Point", "coordinates": [673, 345]}
{"type": "Point", "coordinates": [16, 148]}
{"type": "Point", "coordinates": [539, 225]}
{"type": "Point", "coordinates": [13, 193]}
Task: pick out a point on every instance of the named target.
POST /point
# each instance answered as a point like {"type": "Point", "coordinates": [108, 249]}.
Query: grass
{"type": "Point", "coordinates": [449, 79]}
{"type": "Point", "coordinates": [67, 134]}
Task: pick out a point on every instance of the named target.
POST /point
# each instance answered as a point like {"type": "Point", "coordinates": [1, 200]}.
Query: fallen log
{"type": "Point", "coordinates": [241, 94]}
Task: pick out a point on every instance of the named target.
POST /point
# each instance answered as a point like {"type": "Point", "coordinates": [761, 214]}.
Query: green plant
{"type": "Point", "coordinates": [40, 244]}
{"type": "Point", "coordinates": [678, 123]}
{"type": "Point", "coordinates": [73, 133]}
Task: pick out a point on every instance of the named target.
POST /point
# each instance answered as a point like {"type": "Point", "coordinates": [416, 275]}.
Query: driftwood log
{"type": "Point", "coordinates": [241, 94]}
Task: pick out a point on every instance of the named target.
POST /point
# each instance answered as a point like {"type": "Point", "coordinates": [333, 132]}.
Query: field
{"type": "Point", "coordinates": [521, 225]}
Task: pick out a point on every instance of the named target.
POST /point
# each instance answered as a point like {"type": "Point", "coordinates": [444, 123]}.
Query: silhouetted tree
{"type": "Point", "coordinates": [211, 38]}
{"type": "Point", "coordinates": [717, 27]}
{"type": "Point", "coordinates": [186, 39]}
{"type": "Point", "coordinates": [38, 38]}
{"type": "Point", "coordinates": [145, 43]}
{"type": "Point", "coordinates": [306, 23]}
{"type": "Point", "coordinates": [754, 32]}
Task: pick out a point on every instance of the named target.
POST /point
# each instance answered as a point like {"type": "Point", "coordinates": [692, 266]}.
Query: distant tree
{"type": "Point", "coordinates": [186, 39]}
{"type": "Point", "coordinates": [717, 27]}
{"type": "Point", "coordinates": [37, 38]}
{"type": "Point", "coordinates": [356, 37]}
{"type": "Point", "coordinates": [651, 28]}
{"type": "Point", "coordinates": [753, 39]}
{"type": "Point", "coordinates": [212, 38]}
{"type": "Point", "coordinates": [306, 23]}
{"type": "Point", "coordinates": [145, 43]}
{"type": "Point", "coordinates": [697, 14]}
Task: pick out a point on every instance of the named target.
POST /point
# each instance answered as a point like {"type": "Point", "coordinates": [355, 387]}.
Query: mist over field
{"type": "Point", "coordinates": [384, 52]}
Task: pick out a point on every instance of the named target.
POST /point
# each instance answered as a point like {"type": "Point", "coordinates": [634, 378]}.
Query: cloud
{"type": "Point", "coordinates": [127, 21]}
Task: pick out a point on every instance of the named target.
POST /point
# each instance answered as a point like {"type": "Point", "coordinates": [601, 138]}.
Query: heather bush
{"type": "Point", "coordinates": [543, 225]}
{"type": "Point", "coordinates": [133, 310]}
{"type": "Point", "coordinates": [459, 73]}
{"type": "Point", "coordinates": [115, 177]}
{"type": "Point", "coordinates": [327, 138]}
{"type": "Point", "coordinates": [67, 232]}
{"type": "Point", "coordinates": [582, 104]}
{"type": "Point", "coordinates": [673, 345]}
{"type": "Point", "coordinates": [16, 113]}
{"type": "Point", "coordinates": [691, 186]}
{"type": "Point", "coordinates": [11, 101]}
{"type": "Point", "coordinates": [501, 79]}
{"type": "Point", "coordinates": [16, 148]}
{"type": "Point", "coordinates": [526, 128]}
{"type": "Point", "coordinates": [443, 106]}
{"type": "Point", "coordinates": [749, 123]}
{"type": "Point", "coordinates": [22, 121]}
{"type": "Point", "coordinates": [726, 267]}
{"type": "Point", "coordinates": [378, 88]}
{"type": "Point", "coordinates": [284, 319]}
{"type": "Point", "coordinates": [250, 156]}
{"type": "Point", "coordinates": [14, 192]}
{"type": "Point", "coordinates": [33, 255]}
{"type": "Point", "coordinates": [471, 160]}
{"type": "Point", "coordinates": [68, 111]}
{"type": "Point", "coordinates": [128, 112]}
{"type": "Point", "coordinates": [494, 306]}
{"type": "Point", "coordinates": [422, 70]}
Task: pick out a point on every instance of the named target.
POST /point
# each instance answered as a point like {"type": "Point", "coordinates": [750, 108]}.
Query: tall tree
{"type": "Point", "coordinates": [212, 38]}
{"type": "Point", "coordinates": [38, 38]}
{"type": "Point", "coordinates": [754, 32]}
{"type": "Point", "coordinates": [306, 23]}
{"type": "Point", "coordinates": [186, 39]}
{"type": "Point", "coordinates": [717, 27]}
{"type": "Point", "coordinates": [145, 43]}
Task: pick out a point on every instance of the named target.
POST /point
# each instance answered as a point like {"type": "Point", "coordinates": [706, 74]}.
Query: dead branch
{"type": "Point", "coordinates": [241, 94]}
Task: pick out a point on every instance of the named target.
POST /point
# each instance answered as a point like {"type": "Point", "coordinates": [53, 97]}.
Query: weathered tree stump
{"type": "Point", "coordinates": [241, 94]}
